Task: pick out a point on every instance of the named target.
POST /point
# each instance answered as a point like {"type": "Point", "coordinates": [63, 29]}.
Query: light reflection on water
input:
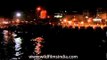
{"type": "Point", "coordinates": [19, 34]}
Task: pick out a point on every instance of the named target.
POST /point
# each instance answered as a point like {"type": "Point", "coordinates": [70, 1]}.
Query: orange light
{"type": "Point", "coordinates": [86, 17]}
{"type": "Point", "coordinates": [43, 14]}
{"type": "Point", "coordinates": [70, 22]}
{"type": "Point", "coordinates": [74, 19]}
{"type": "Point", "coordinates": [62, 22]}
{"type": "Point", "coordinates": [82, 22]}
{"type": "Point", "coordinates": [89, 21]}
{"type": "Point", "coordinates": [65, 20]}
{"type": "Point", "coordinates": [17, 21]}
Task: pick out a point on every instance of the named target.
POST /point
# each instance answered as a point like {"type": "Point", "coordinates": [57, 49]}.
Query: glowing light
{"type": "Point", "coordinates": [89, 20]}
{"type": "Point", "coordinates": [50, 23]}
{"type": "Point", "coordinates": [97, 20]}
{"type": "Point", "coordinates": [18, 14]}
{"type": "Point", "coordinates": [69, 22]}
{"type": "Point", "coordinates": [94, 26]}
{"type": "Point", "coordinates": [58, 16]}
{"type": "Point", "coordinates": [38, 8]}
{"type": "Point", "coordinates": [74, 19]}
{"type": "Point", "coordinates": [5, 22]}
{"type": "Point", "coordinates": [102, 26]}
{"type": "Point", "coordinates": [43, 14]}
{"type": "Point", "coordinates": [65, 20]}
{"type": "Point", "coordinates": [82, 22]}
{"type": "Point", "coordinates": [48, 16]}
{"type": "Point", "coordinates": [60, 19]}
{"type": "Point", "coordinates": [62, 22]}
{"type": "Point", "coordinates": [17, 21]}
{"type": "Point", "coordinates": [86, 17]}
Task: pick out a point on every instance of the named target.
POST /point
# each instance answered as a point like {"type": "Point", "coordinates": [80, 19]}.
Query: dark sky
{"type": "Point", "coordinates": [78, 4]}
{"type": "Point", "coordinates": [8, 6]}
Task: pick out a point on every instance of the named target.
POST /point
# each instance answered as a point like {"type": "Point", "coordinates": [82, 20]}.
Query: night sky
{"type": "Point", "coordinates": [8, 6]}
